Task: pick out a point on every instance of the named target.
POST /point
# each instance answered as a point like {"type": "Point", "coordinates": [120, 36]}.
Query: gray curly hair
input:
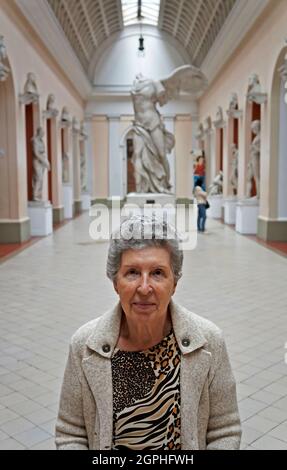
{"type": "Point", "coordinates": [142, 231]}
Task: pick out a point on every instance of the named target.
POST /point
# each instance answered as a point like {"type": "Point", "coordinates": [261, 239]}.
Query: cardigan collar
{"type": "Point", "coordinates": [186, 327]}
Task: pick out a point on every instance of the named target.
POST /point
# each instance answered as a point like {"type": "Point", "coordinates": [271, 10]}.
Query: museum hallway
{"type": "Point", "coordinates": [55, 285]}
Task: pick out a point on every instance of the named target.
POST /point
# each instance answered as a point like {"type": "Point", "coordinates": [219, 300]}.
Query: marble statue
{"type": "Point", "coordinates": [217, 185]}
{"type": "Point", "coordinates": [254, 93]}
{"type": "Point", "coordinates": [65, 117]}
{"type": "Point", "coordinates": [30, 94]}
{"type": "Point", "coordinates": [253, 168]}
{"type": "Point", "coordinates": [234, 168]}
{"type": "Point", "coordinates": [151, 140]}
{"type": "Point", "coordinates": [219, 121]}
{"type": "Point", "coordinates": [200, 132]}
{"type": "Point", "coordinates": [40, 163]}
{"type": "Point", "coordinates": [4, 70]}
{"type": "Point", "coordinates": [65, 168]}
{"type": "Point", "coordinates": [208, 125]}
{"type": "Point", "coordinates": [83, 172]}
{"type": "Point", "coordinates": [51, 110]}
{"type": "Point", "coordinates": [233, 111]}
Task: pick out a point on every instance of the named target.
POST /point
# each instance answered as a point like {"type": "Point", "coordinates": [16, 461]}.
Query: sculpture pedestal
{"type": "Point", "coordinates": [247, 212]}
{"type": "Point", "coordinates": [68, 201]}
{"type": "Point", "coordinates": [141, 199]}
{"type": "Point", "coordinates": [86, 201]}
{"type": "Point", "coordinates": [230, 210]}
{"type": "Point", "coordinates": [215, 210]}
{"type": "Point", "coordinates": [41, 218]}
{"type": "Point", "coordinates": [161, 205]}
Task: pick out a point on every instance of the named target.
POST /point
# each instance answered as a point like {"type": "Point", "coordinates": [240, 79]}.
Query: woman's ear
{"type": "Point", "coordinates": [174, 288]}
{"type": "Point", "coordinates": [115, 286]}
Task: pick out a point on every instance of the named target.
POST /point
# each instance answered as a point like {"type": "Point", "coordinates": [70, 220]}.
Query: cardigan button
{"type": "Point", "coordinates": [106, 348]}
{"type": "Point", "coordinates": [185, 342]}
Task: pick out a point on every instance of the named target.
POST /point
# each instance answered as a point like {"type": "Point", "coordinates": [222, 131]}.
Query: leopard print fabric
{"type": "Point", "coordinates": [146, 397]}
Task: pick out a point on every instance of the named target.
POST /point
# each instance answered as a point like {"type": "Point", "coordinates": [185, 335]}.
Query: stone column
{"type": "Point", "coordinates": [183, 133]}
{"type": "Point", "coordinates": [76, 170]}
{"type": "Point", "coordinates": [115, 158]}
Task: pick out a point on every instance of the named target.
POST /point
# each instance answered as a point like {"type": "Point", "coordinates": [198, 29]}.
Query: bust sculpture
{"type": "Point", "coordinates": [219, 121]}
{"type": "Point", "coordinates": [30, 94]}
{"type": "Point", "coordinates": [65, 117]}
{"type": "Point", "coordinates": [40, 163]}
{"type": "Point", "coordinates": [253, 168]}
{"type": "Point", "coordinates": [51, 110]}
{"type": "Point", "coordinates": [200, 132]}
{"type": "Point", "coordinates": [254, 93]}
{"type": "Point", "coordinates": [4, 69]}
{"type": "Point", "coordinates": [151, 140]}
{"type": "Point", "coordinates": [234, 168]}
{"type": "Point", "coordinates": [215, 188]}
{"type": "Point", "coordinates": [233, 111]}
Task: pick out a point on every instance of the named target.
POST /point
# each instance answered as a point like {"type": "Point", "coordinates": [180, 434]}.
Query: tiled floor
{"type": "Point", "coordinates": [57, 284]}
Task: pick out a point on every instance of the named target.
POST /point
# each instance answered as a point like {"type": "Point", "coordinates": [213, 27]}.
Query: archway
{"type": "Point", "coordinates": [14, 224]}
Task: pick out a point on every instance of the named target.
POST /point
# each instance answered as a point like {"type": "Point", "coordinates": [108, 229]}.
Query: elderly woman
{"type": "Point", "coordinates": [148, 374]}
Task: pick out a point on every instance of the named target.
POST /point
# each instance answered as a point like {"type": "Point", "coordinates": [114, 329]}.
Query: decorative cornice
{"type": "Point", "coordinates": [42, 19]}
{"type": "Point", "coordinates": [240, 20]}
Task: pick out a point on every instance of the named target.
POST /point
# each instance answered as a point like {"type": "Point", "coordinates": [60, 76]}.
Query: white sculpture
{"type": "Point", "coordinates": [253, 167]}
{"type": "Point", "coordinates": [234, 168]}
{"type": "Point", "coordinates": [217, 185]}
{"type": "Point", "coordinates": [4, 69]}
{"type": "Point", "coordinates": [254, 93]}
{"type": "Point", "coordinates": [65, 168]}
{"type": "Point", "coordinates": [233, 110]}
{"type": "Point", "coordinates": [83, 172]}
{"type": "Point", "coordinates": [200, 132]}
{"type": "Point", "coordinates": [40, 163]}
{"type": "Point", "coordinates": [65, 118]}
{"type": "Point", "coordinates": [219, 121]}
{"type": "Point", "coordinates": [151, 140]}
{"type": "Point", "coordinates": [208, 125]}
{"type": "Point", "coordinates": [83, 134]}
{"type": "Point", "coordinates": [30, 94]}
{"type": "Point", "coordinates": [51, 110]}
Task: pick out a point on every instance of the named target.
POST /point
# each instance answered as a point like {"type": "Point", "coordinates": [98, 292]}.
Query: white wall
{"type": "Point", "coordinates": [119, 62]}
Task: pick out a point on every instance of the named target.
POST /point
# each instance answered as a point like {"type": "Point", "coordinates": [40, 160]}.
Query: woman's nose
{"type": "Point", "coordinates": [144, 286]}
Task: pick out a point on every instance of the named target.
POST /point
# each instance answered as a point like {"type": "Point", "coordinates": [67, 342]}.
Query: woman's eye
{"type": "Point", "coordinates": [158, 272]}
{"type": "Point", "coordinates": [132, 272]}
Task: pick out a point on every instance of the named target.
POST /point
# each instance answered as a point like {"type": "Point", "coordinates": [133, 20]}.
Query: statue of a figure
{"type": "Point", "coordinates": [4, 70]}
{"type": "Point", "coordinates": [65, 117]}
{"type": "Point", "coordinates": [65, 168]}
{"type": "Point", "coordinates": [253, 84]}
{"type": "Point", "coordinates": [83, 172]}
{"type": "Point", "coordinates": [151, 140]}
{"type": "Point", "coordinates": [254, 93]}
{"type": "Point", "coordinates": [40, 163]}
{"type": "Point", "coordinates": [234, 168]}
{"type": "Point", "coordinates": [30, 89]}
{"type": "Point", "coordinates": [253, 168]}
{"type": "Point", "coordinates": [51, 110]}
{"type": "Point", "coordinates": [200, 132]}
{"type": "Point", "coordinates": [216, 186]}
{"type": "Point", "coordinates": [219, 121]}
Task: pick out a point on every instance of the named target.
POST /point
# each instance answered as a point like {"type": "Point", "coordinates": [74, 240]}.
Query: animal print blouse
{"type": "Point", "coordinates": [146, 397]}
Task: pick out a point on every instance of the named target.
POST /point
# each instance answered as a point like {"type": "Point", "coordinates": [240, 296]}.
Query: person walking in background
{"type": "Point", "coordinates": [199, 170]}
{"type": "Point", "coordinates": [201, 198]}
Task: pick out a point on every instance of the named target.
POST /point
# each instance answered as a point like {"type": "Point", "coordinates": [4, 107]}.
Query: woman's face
{"type": "Point", "coordinates": [145, 282]}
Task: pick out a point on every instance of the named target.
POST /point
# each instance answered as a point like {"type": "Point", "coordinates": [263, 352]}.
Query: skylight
{"type": "Point", "coordinates": [148, 9]}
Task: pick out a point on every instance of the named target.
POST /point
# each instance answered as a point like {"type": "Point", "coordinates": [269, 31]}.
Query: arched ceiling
{"type": "Point", "coordinates": [194, 23]}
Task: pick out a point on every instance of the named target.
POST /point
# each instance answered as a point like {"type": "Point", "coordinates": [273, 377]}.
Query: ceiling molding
{"type": "Point", "coordinates": [43, 21]}
{"type": "Point", "coordinates": [240, 20]}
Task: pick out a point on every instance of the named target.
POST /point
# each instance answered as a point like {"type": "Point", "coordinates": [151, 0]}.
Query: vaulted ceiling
{"type": "Point", "coordinates": [194, 23]}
